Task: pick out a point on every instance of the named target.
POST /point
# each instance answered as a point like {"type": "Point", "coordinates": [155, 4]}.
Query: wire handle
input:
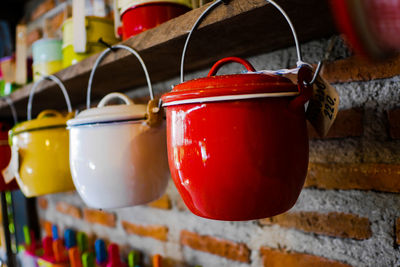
{"type": "Point", "coordinates": [113, 96]}
{"type": "Point", "coordinates": [101, 57]}
{"type": "Point", "coordinates": [12, 107]}
{"type": "Point", "coordinates": [50, 78]}
{"type": "Point", "coordinates": [217, 3]}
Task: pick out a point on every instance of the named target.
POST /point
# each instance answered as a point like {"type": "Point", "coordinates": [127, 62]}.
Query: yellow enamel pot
{"type": "Point", "coordinates": [46, 68]}
{"type": "Point", "coordinates": [95, 28]}
{"type": "Point", "coordinates": [40, 151]}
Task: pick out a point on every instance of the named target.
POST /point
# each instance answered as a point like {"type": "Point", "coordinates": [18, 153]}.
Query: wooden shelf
{"type": "Point", "coordinates": [242, 28]}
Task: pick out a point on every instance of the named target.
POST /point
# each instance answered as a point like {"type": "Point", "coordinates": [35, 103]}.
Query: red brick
{"type": "Point", "coordinates": [68, 209]}
{"type": "Point", "coordinates": [54, 23]}
{"type": "Point", "coordinates": [180, 204]}
{"type": "Point", "coordinates": [224, 248]}
{"type": "Point", "coordinates": [279, 258]}
{"type": "Point", "coordinates": [348, 123]}
{"type": "Point", "coordinates": [331, 224]}
{"type": "Point", "coordinates": [33, 36]}
{"type": "Point", "coordinates": [43, 203]}
{"type": "Point", "coordinates": [362, 176]}
{"type": "Point", "coordinates": [394, 123]}
{"type": "Point", "coordinates": [398, 231]}
{"type": "Point", "coordinates": [163, 202]}
{"type": "Point", "coordinates": [356, 69]}
{"type": "Point", "coordinates": [41, 9]}
{"type": "Point", "coordinates": [100, 217]}
{"type": "Point", "coordinates": [159, 232]}
{"type": "Point", "coordinates": [168, 262]}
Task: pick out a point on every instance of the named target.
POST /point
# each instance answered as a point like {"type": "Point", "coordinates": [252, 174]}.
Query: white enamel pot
{"type": "Point", "coordinates": [118, 153]}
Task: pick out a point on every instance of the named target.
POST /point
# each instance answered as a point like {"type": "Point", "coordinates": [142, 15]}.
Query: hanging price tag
{"type": "Point", "coordinates": [323, 106]}
{"type": "Point", "coordinates": [12, 168]}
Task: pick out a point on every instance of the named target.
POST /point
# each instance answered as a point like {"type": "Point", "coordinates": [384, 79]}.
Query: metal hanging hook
{"type": "Point", "coordinates": [327, 55]}
{"type": "Point", "coordinates": [316, 73]}
{"type": "Point", "coordinates": [101, 41]}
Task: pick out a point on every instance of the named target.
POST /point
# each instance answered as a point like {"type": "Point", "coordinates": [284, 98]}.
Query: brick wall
{"type": "Point", "coordinates": [347, 215]}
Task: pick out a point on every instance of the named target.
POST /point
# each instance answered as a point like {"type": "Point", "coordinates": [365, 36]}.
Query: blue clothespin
{"type": "Point", "coordinates": [101, 251]}
{"type": "Point", "coordinates": [54, 231]}
{"type": "Point", "coordinates": [70, 238]}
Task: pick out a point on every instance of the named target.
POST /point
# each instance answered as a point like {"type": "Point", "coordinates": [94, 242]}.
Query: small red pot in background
{"type": "Point", "coordinates": [147, 15]}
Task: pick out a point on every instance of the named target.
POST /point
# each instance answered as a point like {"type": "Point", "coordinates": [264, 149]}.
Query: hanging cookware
{"type": "Point", "coordinates": [140, 15]}
{"type": "Point", "coordinates": [81, 34]}
{"type": "Point", "coordinates": [371, 27]}
{"type": "Point", "coordinates": [47, 57]}
{"type": "Point", "coordinates": [238, 144]}
{"type": "Point", "coordinates": [40, 149]}
{"type": "Point", "coordinates": [5, 150]}
{"type": "Point", "coordinates": [118, 153]}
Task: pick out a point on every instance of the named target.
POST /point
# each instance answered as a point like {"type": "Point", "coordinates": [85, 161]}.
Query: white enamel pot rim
{"type": "Point", "coordinates": [105, 114]}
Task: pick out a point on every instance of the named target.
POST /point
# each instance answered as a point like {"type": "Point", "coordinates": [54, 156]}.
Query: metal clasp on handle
{"type": "Point", "coordinates": [34, 87]}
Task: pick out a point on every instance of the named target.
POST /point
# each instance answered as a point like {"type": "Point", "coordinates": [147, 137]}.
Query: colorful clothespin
{"type": "Point", "coordinates": [134, 259]}
{"type": "Point", "coordinates": [74, 257]}
{"type": "Point", "coordinates": [48, 228]}
{"type": "Point", "coordinates": [113, 256]}
{"type": "Point", "coordinates": [101, 252]}
{"type": "Point", "coordinates": [54, 230]}
{"type": "Point", "coordinates": [82, 241]}
{"type": "Point", "coordinates": [88, 259]}
{"type": "Point", "coordinates": [69, 238]}
{"type": "Point", "coordinates": [157, 260]}
{"type": "Point", "coordinates": [48, 248]}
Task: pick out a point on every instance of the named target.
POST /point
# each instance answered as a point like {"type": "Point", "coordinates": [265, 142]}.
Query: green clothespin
{"type": "Point", "coordinates": [82, 242]}
{"type": "Point", "coordinates": [27, 235]}
{"type": "Point", "coordinates": [88, 259]}
{"type": "Point", "coordinates": [134, 259]}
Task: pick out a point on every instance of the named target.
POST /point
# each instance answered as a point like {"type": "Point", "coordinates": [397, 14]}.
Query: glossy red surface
{"type": "Point", "coordinates": [233, 84]}
{"type": "Point", "coordinates": [5, 156]}
{"type": "Point", "coordinates": [141, 18]}
{"type": "Point", "coordinates": [239, 160]}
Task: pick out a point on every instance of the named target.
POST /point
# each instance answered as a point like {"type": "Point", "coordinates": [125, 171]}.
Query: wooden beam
{"type": "Point", "coordinates": [242, 28]}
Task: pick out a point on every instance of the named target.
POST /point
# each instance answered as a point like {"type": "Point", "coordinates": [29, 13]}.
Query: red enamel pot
{"type": "Point", "coordinates": [5, 157]}
{"type": "Point", "coordinates": [238, 144]}
{"type": "Point", "coordinates": [142, 17]}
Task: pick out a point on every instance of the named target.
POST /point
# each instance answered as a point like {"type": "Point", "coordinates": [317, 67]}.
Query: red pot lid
{"type": "Point", "coordinates": [230, 87]}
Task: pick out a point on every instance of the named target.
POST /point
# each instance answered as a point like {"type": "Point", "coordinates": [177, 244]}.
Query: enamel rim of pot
{"type": "Point", "coordinates": [124, 6]}
{"type": "Point", "coordinates": [103, 114]}
{"type": "Point", "coordinates": [230, 87]}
